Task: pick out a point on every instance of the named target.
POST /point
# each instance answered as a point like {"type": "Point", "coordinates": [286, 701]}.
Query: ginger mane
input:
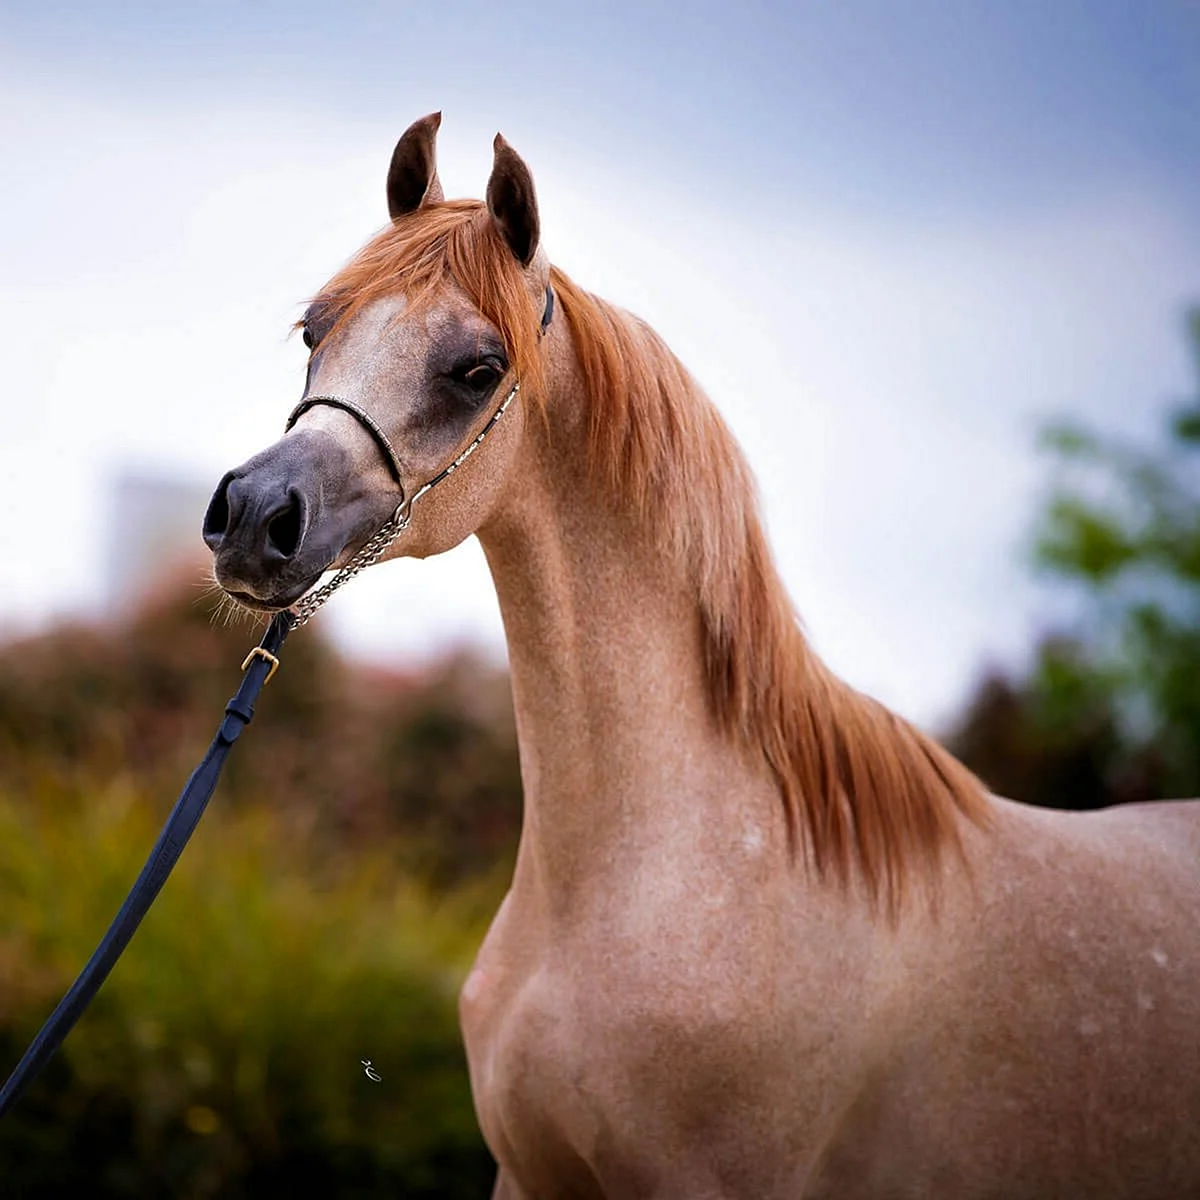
{"type": "Point", "coordinates": [864, 791]}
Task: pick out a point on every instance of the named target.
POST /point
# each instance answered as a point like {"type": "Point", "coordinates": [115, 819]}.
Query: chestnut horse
{"type": "Point", "coordinates": [763, 938]}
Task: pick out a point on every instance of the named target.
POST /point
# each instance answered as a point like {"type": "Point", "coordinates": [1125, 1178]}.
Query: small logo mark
{"type": "Point", "coordinates": [370, 1072]}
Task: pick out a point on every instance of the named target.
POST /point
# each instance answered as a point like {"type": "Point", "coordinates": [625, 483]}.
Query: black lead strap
{"type": "Point", "coordinates": [259, 666]}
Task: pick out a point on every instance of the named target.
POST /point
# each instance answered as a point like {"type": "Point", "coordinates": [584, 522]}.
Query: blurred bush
{"type": "Point", "coordinates": [324, 914]}
{"type": "Point", "coordinates": [1110, 711]}
{"type": "Point", "coordinates": [350, 752]}
{"type": "Point", "coordinates": [224, 1055]}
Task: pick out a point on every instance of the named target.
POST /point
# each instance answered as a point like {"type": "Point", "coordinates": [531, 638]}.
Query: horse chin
{"type": "Point", "coordinates": [274, 601]}
{"type": "Point", "coordinates": [253, 604]}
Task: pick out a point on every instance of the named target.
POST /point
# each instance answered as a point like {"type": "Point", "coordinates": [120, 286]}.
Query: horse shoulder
{"type": "Point", "coordinates": [1049, 1015]}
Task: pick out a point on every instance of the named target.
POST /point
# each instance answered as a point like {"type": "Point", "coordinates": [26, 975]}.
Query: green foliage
{"type": "Point", "coordinates": [1053, 739]}
{"type": "Point", "coordinates": [224, 1055]}
{"type": "Point", "coordinates": [324, 914]}
{"type": "Point", "coordinates": [1111, 712]}
{"type": "Point", "coordinates": [351, 753]}
{"type": "Point", "coordinates": [1079, 539]}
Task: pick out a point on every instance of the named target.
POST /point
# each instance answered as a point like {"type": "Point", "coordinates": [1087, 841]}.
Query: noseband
{"type": "Point", "coordinates": [373, 549]}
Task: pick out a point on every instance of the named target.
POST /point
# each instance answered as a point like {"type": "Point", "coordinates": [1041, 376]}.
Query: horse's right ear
{"type": "Point", "coordinates": [412, 178]}
{"type": "Point", "coordinates": [512, 201]}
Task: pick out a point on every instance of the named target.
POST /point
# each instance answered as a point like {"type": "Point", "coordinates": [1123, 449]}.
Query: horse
{"type": "Point", "coordinates": [764, 938]}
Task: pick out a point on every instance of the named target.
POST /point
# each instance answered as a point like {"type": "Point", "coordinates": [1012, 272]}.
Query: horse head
{"type": "Point", "coordinates": [412, 345]}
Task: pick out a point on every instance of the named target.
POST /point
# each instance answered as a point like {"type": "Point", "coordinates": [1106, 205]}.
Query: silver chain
{"type": "Point", "coordinates": [368, 555]}
{"type": "Point", "coordinates": [374, 548]}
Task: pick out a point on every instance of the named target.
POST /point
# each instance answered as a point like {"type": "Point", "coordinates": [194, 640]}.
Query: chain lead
{"type": "Point", "coordinates": [369, 554]}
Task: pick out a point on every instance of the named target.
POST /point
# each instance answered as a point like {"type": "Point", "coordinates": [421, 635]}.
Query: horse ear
{"type": "Point", "coordinates": [412, 178]}
{"type": "Point", "coordinates": [512, 201]}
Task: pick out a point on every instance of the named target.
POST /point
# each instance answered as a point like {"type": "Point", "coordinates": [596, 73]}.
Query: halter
{"type": "Point", "coordinates": [377, 544]}
{"type": "Point", "coordinates": [261, 663]}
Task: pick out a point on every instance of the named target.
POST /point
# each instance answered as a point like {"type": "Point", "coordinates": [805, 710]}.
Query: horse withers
{"type": "Point", "coordinates": [763, 938]}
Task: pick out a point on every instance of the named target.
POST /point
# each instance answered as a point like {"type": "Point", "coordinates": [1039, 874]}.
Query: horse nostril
{"type": "Point", "coordinates": [216, 518]}
{"type": "Point", "coordinates": [283, 530]}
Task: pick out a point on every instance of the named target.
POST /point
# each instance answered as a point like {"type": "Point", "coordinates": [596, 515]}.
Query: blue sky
{"type": "Point", "coordinates": [890, 239]}
{"type": "Point", "coordinates": [929, 103]}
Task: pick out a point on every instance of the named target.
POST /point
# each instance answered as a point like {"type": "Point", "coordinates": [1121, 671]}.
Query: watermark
{"type": "Point", "coordinates": [370, 1072]}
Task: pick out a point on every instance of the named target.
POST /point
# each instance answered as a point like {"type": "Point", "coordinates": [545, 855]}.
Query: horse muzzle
{"type": "Point", "coordinates": [282, 518]}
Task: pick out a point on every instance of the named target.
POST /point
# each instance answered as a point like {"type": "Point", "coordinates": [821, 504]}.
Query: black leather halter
{"type": "Point", "coordinates": [369, 423]}
{"type": "Point", "coordinates": [260, 664]}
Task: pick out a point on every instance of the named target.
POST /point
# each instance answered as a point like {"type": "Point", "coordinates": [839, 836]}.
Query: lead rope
{"type": "Point", "coordinates": [260, 664]}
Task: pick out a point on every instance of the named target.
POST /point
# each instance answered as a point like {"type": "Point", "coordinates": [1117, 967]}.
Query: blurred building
{"type": "Point", "coordinates": [153, 535]}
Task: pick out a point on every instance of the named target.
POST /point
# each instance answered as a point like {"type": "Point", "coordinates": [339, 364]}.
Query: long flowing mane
{"type": "Point", "coordinates": [861, 787]}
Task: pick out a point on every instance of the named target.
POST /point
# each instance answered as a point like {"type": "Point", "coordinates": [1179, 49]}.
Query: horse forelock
{"type": "Point", "coordinates": [417, 254]}
{"type": "Point", "coordinates": [864, 792]}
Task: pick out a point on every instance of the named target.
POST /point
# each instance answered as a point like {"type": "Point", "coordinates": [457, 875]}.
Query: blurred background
{"type": "Point", "coordinates": [937, 264]}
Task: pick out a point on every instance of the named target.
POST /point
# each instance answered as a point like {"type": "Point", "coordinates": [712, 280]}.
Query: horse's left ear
{"type": "Point", "coordinates": [512, 201]}
{"type": "Point", "coordinates": [412, 177]}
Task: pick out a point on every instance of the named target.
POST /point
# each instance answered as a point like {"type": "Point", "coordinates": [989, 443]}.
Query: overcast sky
{"type": "Point", "coordinates": [890, 239]}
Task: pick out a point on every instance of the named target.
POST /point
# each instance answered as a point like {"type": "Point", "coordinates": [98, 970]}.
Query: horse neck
{"type": "Point", "coordinates": [621, 755]}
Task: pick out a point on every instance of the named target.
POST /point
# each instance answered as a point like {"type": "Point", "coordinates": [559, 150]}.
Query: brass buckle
{"type": "Point", "coordinates": [259, 652]}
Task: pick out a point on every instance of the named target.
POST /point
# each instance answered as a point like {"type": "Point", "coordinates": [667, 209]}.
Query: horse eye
{"type": "Point", "coordinates": [481, 376]}
{"type": "Point", "coordinates": [308, 338]}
